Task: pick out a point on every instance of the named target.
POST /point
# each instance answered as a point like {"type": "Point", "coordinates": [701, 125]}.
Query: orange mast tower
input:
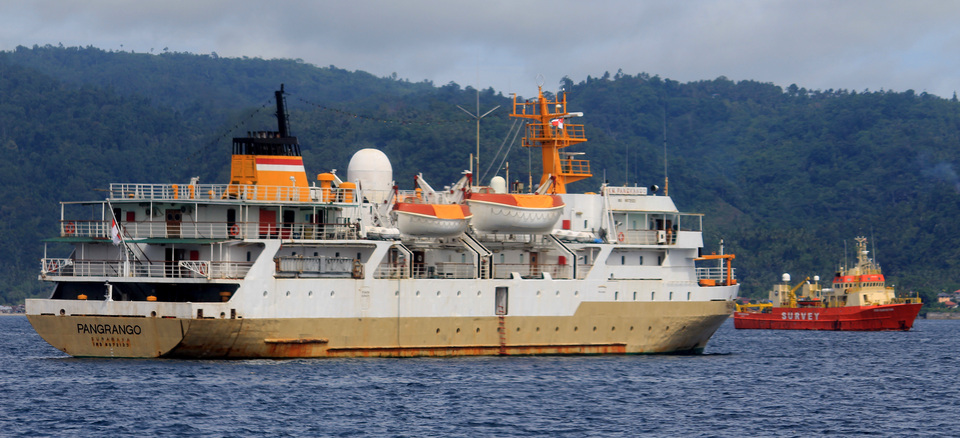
{"type": "Point", "coordinates": [549, 131]}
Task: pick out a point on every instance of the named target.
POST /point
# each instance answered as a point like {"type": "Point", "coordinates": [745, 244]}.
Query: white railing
{"type": "Point", "coordinates": [209, 230]}
{"type": "Point", "coordinates": [178, 192]}
{"type": "Point", "coordinates": [646, 237]}
{"type": "Point", "coordinates": [715, 273]}
{"type": "Point", "coordinates": [52, 267]}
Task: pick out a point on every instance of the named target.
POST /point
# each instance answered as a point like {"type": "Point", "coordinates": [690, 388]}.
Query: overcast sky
{"type": "Point", "coordinates": [849, 44]}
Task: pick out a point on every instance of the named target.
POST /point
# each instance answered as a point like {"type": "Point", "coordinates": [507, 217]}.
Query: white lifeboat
{"type": "Point", "coordinates": [514, 213]}
{"type": "Point", "coordinates": [432, 220]}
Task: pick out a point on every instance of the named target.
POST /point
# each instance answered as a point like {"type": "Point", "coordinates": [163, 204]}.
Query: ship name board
{"type": "Point", "coordinates": [626, 190]}
{"type": "Point", "coordinates": [109, 329]}
{"type": "Point", "coordinates": [805, 316]}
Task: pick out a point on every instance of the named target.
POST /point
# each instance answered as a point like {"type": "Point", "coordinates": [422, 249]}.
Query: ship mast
{"type": "Point", "coordinates": [549, 131]}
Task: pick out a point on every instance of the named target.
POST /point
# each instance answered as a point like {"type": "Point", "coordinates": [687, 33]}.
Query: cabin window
{"type": "Point", "coordinates": [503, 258]}
{"type": "Point", "coordinates": [117, 213]}
{"type": "Point", "coordinates": [248, 256]}
{"type": "Point", "coordinates": [585, 225]}
{"type": "Point", "coordinates": [688, 296]}
{"type": "Point", "coordinates": [671, 296]}
{"type": "Point", "coordinates": [358, 256]}
{"type": "Point", "coordinates": [623, 260]}
{"type": "Point", "coordinates": [652, 295]}
{"type": "Point", "coordinates": [660, 260]}
{"type": "Point", "coordinates": [641, 260]}
{"type": "Point", "coordinates": [634, 296]}
{"type": "Point", "coordinates": [616, 296]}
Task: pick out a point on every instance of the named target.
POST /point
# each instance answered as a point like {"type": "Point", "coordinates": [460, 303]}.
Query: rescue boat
{"type": "Point", "coordinates": [858, 301]}
{"type": "Point", "coordinates": [432, 220]}
{"type": "Point", "coordinates": [514, 212]}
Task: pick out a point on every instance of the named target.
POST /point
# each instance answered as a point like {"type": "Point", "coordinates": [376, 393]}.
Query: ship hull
{"type": "Point", "coordinates": [851, 318]}
{"type": "Point", "coordinates": [595, 328]}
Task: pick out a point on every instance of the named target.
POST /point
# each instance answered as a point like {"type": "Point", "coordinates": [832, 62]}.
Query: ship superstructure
{"type": "Point", "coordinates": [272, 264]}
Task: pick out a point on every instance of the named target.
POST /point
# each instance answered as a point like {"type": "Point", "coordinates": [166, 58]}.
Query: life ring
{"type": "Point", "coordinates": [51, 266]}
{"type": "Point", "coordinates": [621, 237]}
{"type": "Point", "coordinates": [202, 269]}
{"type": "Point", "coordinates": [70, 228]}
{"type": "Point", "coordinates": [235, 230]}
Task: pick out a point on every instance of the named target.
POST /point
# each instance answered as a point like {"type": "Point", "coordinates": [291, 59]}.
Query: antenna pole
{"type": "Point", "coordinates": [666, 179]}
{"type": "Point", "coordinates": [478, 117]}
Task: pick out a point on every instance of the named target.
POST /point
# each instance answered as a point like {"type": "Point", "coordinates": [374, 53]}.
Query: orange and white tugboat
{"type": "Point", "coordinates": [859, 300]}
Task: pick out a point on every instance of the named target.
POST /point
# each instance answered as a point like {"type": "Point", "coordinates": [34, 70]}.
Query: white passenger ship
{"type": "Point", "coordinates": [273, 265]}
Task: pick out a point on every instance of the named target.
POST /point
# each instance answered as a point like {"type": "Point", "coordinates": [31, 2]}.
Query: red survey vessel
{"type": "Point", "coordinates": [859, 300]}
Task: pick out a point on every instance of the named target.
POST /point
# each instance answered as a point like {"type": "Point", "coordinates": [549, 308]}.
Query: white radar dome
{"type": "Point", "coordinates": [372, 171]}
{"type": "Point", "coordinates": [498, 184]}
{"type": "Point", "coordinates": [785, 278]}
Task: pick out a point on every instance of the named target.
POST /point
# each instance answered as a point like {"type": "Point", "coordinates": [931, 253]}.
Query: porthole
{"type": "Point", "coordinates": [613, 329]}
{"type": "Point", "coordinates": [478, 329]}
{"type": "Point", "coordinates": [538, 329]}
{"type": "Point", "coordinates": [331, 293]}
{"type": "Point", "coordinates": [458, 293]}
{"type": "Point", "coordinates": [438, 331]}
{"type": "Point", "coordinates": [518, 329]}
{"type": "Point", "coordinates": [575, 328]}
{"type": "Point", "coordinates": [631, 328]}
{"type": "Point", "coordinates": [438, 293]}
{"type": "Point", "coordinates": [594, 328]}
{"type": "Point", "coordinates": [458, 329]}
{"type": "Point", "coordinates": [264, 293]}
{"type": "Point", "coordinates": [538, 293]}
{"type": "Point", "coordinates": [558, 293]}
{"type": "Point", "coordinates": [288, 293]}
{"type": "Point", "coordinates": [418, 293]}
{"type": "Point", "coordinates": [310, 293]}
{"type": "Point", "coordinates": [478, 293]}
{"type": "Point", "coordinates": [556, 329]}
{"type": "Point", "coordinates": [576, 293]}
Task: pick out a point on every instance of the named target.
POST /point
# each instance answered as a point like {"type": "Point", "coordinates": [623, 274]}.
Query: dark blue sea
{"type": "Point", "coordinates": [747, 383]}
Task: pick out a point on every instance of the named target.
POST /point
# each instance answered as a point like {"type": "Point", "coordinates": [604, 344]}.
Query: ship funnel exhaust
{"type": "Point", "coordinates": [283, 126]}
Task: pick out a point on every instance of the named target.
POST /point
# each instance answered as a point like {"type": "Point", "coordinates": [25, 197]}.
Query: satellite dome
{"type": "Point", "coordinates": [370, 169]}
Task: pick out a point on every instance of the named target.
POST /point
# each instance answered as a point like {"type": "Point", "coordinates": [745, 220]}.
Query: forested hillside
{"type": "Point", "coordinates": [785, 176]}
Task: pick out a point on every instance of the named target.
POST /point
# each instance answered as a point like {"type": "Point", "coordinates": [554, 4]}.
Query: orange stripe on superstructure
{"type": "Point", "coordinates": [290, 161]}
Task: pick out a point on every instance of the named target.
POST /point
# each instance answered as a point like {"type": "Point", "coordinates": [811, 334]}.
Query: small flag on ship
{"type": "Point", "coordinates": [558, 123]}
{"type": "Point", "coordinates": [115, 233]}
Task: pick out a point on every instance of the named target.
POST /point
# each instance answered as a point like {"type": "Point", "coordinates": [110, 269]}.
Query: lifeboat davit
{"type": "Point", "coordinates": [432, 220]}
{"type": "Point", "coordinates": [514, 213]}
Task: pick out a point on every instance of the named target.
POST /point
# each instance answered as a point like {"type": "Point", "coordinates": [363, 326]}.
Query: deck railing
{"type": "Point", "coordinates": [210, 230]}
{"type": "Point", "coordinates": [58, 267]}
{"type": "Point", "coordinates": [178, 192]}
{"type": "Point", "coordinates": [716, 274]}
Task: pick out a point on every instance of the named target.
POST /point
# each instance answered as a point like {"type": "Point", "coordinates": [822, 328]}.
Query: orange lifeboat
{"type": "Point", "coordinates": [432, 220]}
{"type": "Point", "coordinates": [514, 213]}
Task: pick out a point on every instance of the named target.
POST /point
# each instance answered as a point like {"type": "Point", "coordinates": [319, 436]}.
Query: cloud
{"type": "Point", "coordinates": [818, 44]}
